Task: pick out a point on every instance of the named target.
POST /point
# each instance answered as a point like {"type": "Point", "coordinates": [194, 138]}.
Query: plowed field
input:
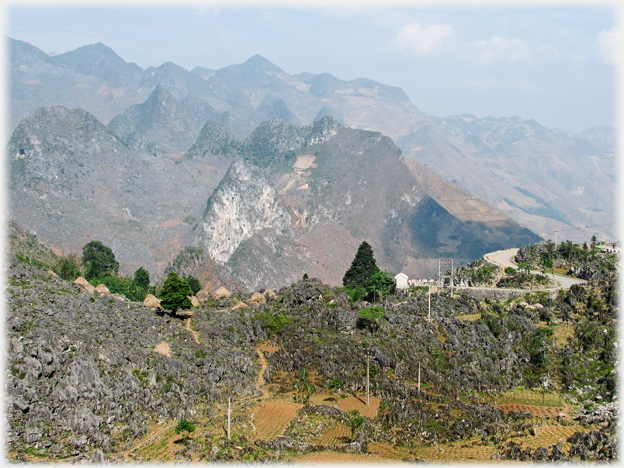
{"type": "Point", "coordinates": [272, 419]}
{"type": "Point", "coordinates": [335, 433]}
{"type": "Point", "coordinates": [537, 411]}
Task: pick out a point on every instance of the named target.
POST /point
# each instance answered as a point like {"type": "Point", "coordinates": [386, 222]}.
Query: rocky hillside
{"type": "Point", "coordinates": [546, 180]}
{"type": "Point", "coordinates": [89, 376]}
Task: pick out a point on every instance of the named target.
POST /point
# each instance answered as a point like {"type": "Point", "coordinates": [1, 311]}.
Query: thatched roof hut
{"type": "Point", "coordinates": [221, 293]}
{"type": "Point", "coordinates": [80, 281]}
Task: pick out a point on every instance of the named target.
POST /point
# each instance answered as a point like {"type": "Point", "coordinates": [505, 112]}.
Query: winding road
{"type": "Point", "coordinates": [505, 258]}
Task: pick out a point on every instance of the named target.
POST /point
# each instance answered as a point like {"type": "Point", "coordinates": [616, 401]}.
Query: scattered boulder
{"type": "Point", "coordinates": [257, 299]}
{"type": "Point", "coordinates": [194, 301]}
{"type": "Point", "coordinates": [102, 289]}
{"type": "Point", "coordinates": [164, 349]}
{"type": "Point", "coordinates": [98, 457]}
{"type": "Point", "coordinates": [151, 301]}
{"type": "Point", "coordinates": [221, 293]}
{"type": "Point", "coordinates": [80, 281]}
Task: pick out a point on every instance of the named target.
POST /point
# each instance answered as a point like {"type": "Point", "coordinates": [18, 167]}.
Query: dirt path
{"type": "Point", "coordinates": [187, 323]}
{"type": "Point", "coordinates": [261, 380]}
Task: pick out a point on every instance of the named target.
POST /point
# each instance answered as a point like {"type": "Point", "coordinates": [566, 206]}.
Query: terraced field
{"type": "Point", "coordinates": [334, 433]}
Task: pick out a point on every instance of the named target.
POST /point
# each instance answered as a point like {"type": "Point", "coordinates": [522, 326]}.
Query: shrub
{"type": "Point", "coordinates": [185, 426]}
{"type": "Point", "coordinates": [275, 323]}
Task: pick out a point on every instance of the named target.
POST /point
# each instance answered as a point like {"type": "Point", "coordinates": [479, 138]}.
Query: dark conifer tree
{"type": "Point", "coordinates": [141, 278]}
{"type": "Point", "coordinates": [174, 293]}
{"type": "Point", "coordinates": [362, 268]}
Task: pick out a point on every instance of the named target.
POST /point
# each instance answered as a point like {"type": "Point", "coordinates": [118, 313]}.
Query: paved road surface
{"type": "Point", "coordinates": [505, 259]}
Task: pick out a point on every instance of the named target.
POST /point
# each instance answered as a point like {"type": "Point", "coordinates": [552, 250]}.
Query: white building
{"type": "Point", "coordinates": [400, 281]}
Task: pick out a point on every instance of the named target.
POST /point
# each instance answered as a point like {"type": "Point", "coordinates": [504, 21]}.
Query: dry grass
{"type": "Point", "coordinates": [469, 318]}
{"type": "Point", "coordinates": [563, 331]}
{"type": "Point", "coordinates": [527, 397]}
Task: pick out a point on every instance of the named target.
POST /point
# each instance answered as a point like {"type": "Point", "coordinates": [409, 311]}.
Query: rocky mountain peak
{"type": "Point", "coordinates": [261, 63]}
{"type": "Point", "coordinates": [101, 61]}
{"type": "Point", "coordinates": [271, 107]}
{"type": "Point", "coordinates": [159, 125]}
{"type": "Point", "coordinates": [55, 136]}
{"type": "Point", "coordinates": [213, 139]}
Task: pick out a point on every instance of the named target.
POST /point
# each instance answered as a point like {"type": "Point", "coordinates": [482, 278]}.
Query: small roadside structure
{"type": "Point", "coordinates": [400, 281]}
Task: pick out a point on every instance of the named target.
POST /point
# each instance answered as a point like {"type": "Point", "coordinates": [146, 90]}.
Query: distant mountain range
{"type": "Point", "coordinates": [171, 136]}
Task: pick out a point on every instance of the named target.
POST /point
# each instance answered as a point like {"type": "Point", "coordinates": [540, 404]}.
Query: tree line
{"type": "Point", "coordinates": [99, 266]}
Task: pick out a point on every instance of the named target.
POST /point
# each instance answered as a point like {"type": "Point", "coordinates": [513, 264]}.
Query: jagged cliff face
{"type": "Point", "coordinates": [245, 204]}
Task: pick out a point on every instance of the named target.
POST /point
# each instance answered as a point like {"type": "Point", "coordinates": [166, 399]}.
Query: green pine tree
{"type": "Point", "coordinates": [141, 278]}
{"type": "Point", "coordinates": [174, 293]}
{"type": "Point", "coordinates": [362, 269]}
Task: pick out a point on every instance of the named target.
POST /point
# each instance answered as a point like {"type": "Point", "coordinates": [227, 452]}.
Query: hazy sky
{"type": "Point", "coordinates": [555, 64]}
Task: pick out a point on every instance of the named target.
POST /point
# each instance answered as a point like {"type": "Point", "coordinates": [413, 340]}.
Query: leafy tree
{"type": "Point", "coordinates": [174, 293]}
{"type": "Point", "coordinates": [304, 389]}
{"type": "Point", "coordinates": [193, 283]}
{"type": "Point", "coordinates": [381, 284]}
{"type": "Point", "coordinates": [99, 260]}
{"type": "Point", "coordinates": [538, 344]}
{"type": "Point", "coordinates": [362, 268]}
{"type": "Point", "coordinates": [185, 426]}
{"type": "Point", "coordinates": [354, 420]}
{"type": "Point", "coordinates": [141, 278]}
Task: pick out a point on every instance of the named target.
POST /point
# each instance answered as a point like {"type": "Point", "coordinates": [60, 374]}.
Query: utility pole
{"type": "Point", "coordinates": [368, 351]}
{"type": "Point", "coordinates": [419, 377]}
{"type": "Point", "coordinates": [429, 316]}
{"type": "Point", "coordinates": [229, 417]}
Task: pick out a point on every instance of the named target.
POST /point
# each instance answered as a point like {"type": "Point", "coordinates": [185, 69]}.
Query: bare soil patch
{"type": "Point", "coordinates": [268, 347]}
{"type": "Point", "coordinates": [359, 403]}
{"type": "Point", "coordinates": [338, 457]}
{"type": "Point", "coordinates": [305, 161]}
